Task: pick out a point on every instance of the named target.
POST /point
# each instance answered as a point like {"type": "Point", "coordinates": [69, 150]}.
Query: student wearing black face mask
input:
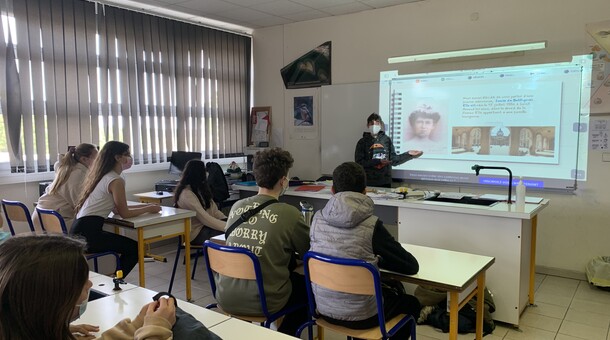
{"type": "Point", "coordinates": [104, 192]}
{"type": "Point", "coordinates": [375, 152]}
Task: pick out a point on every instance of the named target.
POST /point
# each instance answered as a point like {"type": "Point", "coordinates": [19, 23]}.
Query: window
{"type": "Point", "coordinates": [78, 71]}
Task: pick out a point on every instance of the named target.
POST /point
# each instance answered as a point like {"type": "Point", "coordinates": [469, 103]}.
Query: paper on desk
{"type": "Point", "coordinates": [454, 195]}
{"type": "Point", "coordinates": [383, 195]}
{"type": "Point", "coordinates": [528, 199]}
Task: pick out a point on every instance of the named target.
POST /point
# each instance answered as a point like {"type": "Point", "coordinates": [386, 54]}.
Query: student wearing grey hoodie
{"type": "Point", "coordinates": [346, 227]}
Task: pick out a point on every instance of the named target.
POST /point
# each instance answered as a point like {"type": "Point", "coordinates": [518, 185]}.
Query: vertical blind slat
{"type": "Point", "coordinates": [140, 143]}
{"type": "Point", "coordinates": [91, 30]}
{"type": "Point", "coordinates": [113, 91]}
{"type": "Point", "coordinates": [82, 70]}
{"type": "Point", "coordinates": [168, 114]}
{"type": "Point", "coordinates": [132, 74]}
{"type": "Point", "coordinates": [71, 74]}
{"type": "Point", "coordinates": [23, 54]}
{"type": "Point", "coordinates": [124, 108]}
{"type": "Point", "coordinates": [148, 83]}
{"type": "Point", "coordinates": [40, 132]}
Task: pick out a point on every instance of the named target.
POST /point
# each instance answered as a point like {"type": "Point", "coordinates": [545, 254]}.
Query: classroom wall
{"type": "Point", "coordinates": [575, 227]}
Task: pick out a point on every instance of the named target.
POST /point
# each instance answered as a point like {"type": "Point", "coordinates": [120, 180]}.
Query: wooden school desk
{"type": "Point", "coordinates": [462, 275]}
{"type": "Point", "coordinates": [168, 223]}
{"type": "Point", "coordinates": [153, 196]}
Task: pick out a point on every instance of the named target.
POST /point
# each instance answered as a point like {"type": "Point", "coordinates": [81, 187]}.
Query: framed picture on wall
{"type": "Point", "coordinates": [260, 126]}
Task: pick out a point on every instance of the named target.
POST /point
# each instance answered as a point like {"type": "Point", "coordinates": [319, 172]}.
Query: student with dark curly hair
{"type": "Point", "coordinates": [274, 235]}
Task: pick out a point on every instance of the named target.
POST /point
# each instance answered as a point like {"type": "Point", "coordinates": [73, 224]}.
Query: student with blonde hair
{"type": "Point", "coordinates": [62, 195]}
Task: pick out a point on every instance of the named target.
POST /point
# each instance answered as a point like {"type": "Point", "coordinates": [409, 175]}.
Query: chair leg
{"type": "Point", "coordinates": [171, 281]}
{"type": "Point", "coordinates": [95, 264]}
{"type": "Point", "coordinates": [198, 252]}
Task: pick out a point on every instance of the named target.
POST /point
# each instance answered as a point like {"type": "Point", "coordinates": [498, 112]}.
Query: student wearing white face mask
{"type": "Point", "coordinates": [104, 191]}
{"type": "Point", "coordinates": [375, 152]}
{"type": "Point", "coordinates": [44, 286]}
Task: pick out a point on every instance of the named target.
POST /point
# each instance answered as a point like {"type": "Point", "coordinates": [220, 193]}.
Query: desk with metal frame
{"type": "Point", "coordinates": [168, 223]}
{"type": "Point", "coordinates": [462, 275]}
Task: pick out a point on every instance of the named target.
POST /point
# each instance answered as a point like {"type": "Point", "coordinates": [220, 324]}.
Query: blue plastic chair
{"type": "Point", "coordinates": [353, 277]}
{"type": "Point", "coordinates": [16, 211]}
{"type": "Point", "coordinates": [240, 263]}
{"type": "Point", "coordinates": [52, 221]}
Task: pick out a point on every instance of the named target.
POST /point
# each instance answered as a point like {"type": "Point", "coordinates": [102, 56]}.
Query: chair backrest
{"type": "Point", "coordinates": [15, 211]}
{"type": "Point", "coordinates": [51, 221]}
{"type": "Point", "coordinates": [234, 262]}
{"type": "Point", "coordinates": [217, 181]}
{"type": "Point", "coordinates": [343, 275]}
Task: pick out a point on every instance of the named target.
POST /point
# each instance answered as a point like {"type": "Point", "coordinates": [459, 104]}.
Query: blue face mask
{"type": "Point", "coordinates": [83, 306]}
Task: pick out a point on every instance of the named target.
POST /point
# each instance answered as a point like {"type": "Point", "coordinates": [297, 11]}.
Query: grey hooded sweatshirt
{"type": "Point", "coordinates": [346, 227]}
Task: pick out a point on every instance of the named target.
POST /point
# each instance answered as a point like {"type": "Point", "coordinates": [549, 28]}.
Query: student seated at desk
{"type": "Point", "coordinates": [62, 195]}
{"type": "Point", "coordinates": [274, 235]}
{"type": "Point", "coordinates": [104, 192]}
{"type": "Point", "coordinates": [346, 227]}
{"type": "Point", "coordinates": [193, 193]}
{"type": "Point", "coordinates": [44, 286]}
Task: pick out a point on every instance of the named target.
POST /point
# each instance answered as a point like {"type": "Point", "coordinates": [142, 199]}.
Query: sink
{"type": "Point", "coordinates": [94, 295]}
{"type": "Point", "coordinates": [464, 200]}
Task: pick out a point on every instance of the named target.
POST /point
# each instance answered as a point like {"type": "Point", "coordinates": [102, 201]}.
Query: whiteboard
{"type": "Point", "coordinates": [344, 109]}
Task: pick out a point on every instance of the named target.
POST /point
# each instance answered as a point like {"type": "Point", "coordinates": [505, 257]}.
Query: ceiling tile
{"type": "Point", "coordinates": [248, 3]}
{"type": "Point", "coordinates": [244, 14]}
{"type": "Point", "coordinates": [281, 8]}
{"type": "Point", "coordinates": [347, 8]}
{"type": "Point", "coordinates": [208, 6]}
{"type": "Point", "coordinates": [318, 4]}
{"type": "Point", "coordinates": [386, 3]}
{"type": "Point", "coordinates": [271, 21]}
{"type": "Point", "coordinates": [308, 15]}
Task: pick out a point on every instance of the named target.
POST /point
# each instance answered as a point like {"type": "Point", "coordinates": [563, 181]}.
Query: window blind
{"type": "Point", "coordinates": [75, 71]}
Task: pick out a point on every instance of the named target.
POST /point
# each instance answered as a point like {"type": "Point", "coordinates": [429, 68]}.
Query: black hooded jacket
{"type": "Point", "coordinates": [369, 153]}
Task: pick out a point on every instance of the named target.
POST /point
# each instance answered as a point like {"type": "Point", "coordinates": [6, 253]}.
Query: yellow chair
{"type": "Point", "coordinates": [353, 277]}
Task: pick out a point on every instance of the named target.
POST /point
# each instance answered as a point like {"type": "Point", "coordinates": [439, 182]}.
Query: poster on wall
{"type": "Point", "coordinates": [304, 121]}
{"type": "Point", "coordinates": [599, 44]}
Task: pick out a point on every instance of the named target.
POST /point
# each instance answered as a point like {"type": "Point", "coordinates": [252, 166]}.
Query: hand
{"type": "Point", "coordinates": [84, 331]}
{"type": "Point", "coordinates": [154, 208]}
{"type": "Point", "coordinates": [164, 308]}
{"type": "Point", "coordinates": [385, 162]}
{"type": "Point", "coordinates": [415, 153]}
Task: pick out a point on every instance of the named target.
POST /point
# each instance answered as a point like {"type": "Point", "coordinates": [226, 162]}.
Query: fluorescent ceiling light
{"type": "Point", "coordinates": [470, 52]}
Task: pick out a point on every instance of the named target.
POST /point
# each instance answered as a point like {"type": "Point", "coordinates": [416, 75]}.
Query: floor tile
{"type": "Point", "coordinates": [553, 299]}
{"type": "Point", "coordinates": [539, 321]}
{"type": "Point", "coordinates": [529, 333]}
{"type": "Point", "coordinates": [590, 306]}
{"type": "Point", "coordinates": [547, 309]}
{"type": "Point", "coordinates": [583, 331]}
{"type": "Point", "coordinates": [588, 318]}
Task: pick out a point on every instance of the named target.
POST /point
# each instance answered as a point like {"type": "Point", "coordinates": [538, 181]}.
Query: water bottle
{"type": "Point", "coordinates": [307, 211]}
{"type": "Point", "coordinates": [520, 195]}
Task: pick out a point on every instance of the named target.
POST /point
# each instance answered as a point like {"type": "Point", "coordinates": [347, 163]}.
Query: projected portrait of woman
{"type": "Point", "coordinates": [424, 132]}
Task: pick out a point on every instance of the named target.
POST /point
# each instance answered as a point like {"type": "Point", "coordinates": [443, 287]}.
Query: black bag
{"type": "Point", "coordinates": [186, 326]}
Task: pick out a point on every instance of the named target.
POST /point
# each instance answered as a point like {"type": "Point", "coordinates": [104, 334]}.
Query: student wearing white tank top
{"type": "Point", "coordinates": [104, 191]}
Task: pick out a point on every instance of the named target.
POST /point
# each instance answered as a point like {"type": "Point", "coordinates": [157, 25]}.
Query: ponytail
{"type": "Point", "coordinates": [67, 163]}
